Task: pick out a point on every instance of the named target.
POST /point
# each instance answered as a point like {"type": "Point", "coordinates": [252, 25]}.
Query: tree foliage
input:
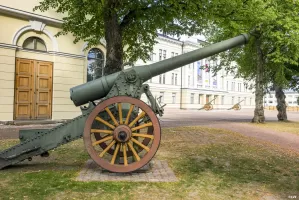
{"type": "Point", "coordinates": [274, 44]}
{"type": "Point", "coordinates": [129, 26]}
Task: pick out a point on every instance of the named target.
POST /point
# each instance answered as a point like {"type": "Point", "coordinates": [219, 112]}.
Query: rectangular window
{"type": "Point", "coordinates": [172, 54]}
{"type": "Point", "coordinates": [176, 79]}
{"type": "Point", "coordinates": [176, 54]}
{"type": "Point", "coordinates": [163, 78]}
{"type": "Point", "coordinates": [160, 79]}
{"type": "Point", "coordinates": [172, 78]}
{"type": "Point", "coordinates": [227, 85]}
{"type": "Point", "coordinates": [233, 86]}
{"type": "Point", "coordinates": [173, 97]}
{"type": "Point", "coordinates": [189, 81]}
{"type": "Point", "coordinates": [160, 54]}
{"type": "Point", "coordinates": [222, 100]}
{"type": "Point", "coordinates": [199, 98]}
{"type": "Point", "coordinates": [161, 97]}
{"type": "Point", "coordinates": [164, 54]}
{"type": "Point", "coordinates": [192, 98]}
{"type": "Point", "coordinates": [233, 100]}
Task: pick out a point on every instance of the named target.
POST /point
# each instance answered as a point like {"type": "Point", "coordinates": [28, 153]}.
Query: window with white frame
{"type": "Point", "coordinates": [176, 79]}
{"type": "Point", "coordinates": [172, 54]}
{"type": "Point", "coordinates": [172, 78]}
{"type": "Point", "coordinates": [160, 78]}
{"type": "Point", "coordinates": [164, 54]}
{"type": "Point", "coordinates": [160, 54]}
{"type": "Point", "coordinates": [164, 78]}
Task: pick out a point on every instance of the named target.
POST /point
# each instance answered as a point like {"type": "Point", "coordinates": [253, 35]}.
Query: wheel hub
{"type": "Point", "coordinates": [122, 133]}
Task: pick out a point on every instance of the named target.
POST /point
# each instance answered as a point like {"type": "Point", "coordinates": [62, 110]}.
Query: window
{"type": "Point", "coordinates": [199, 98]}
{"type": "Point", "coordinates": [160, 78]}
{"type": "Point", "coordinates": [161, 97]}
{"type": "Point", "coordinates": [233, 100]}
{"type": "Point", "coordinates": [172, 78]}
{"type": "Point", "coordinates": [173, 97]}
{"type": "Point", "coordinates": [95, 64]}
{"type": "Point", "coordinates": [176, 79]}
{"type": "Point", "coordinates": [152, 56]}
{"type": "Point", "coordinates": [233, 86]}
{"type": "Point", "coordinates": [176, 54]}
{"type": "Point", "coordinates": [172, 54]}
{"type": "Point", "coordinates": [222, 100]}
{"type": "Point", "coordinates": [189, 80]}
{"type": "Point", "coordinates": [164, 54]}
{"type": "Point", "coordinates": [163, 78]}
{"type": "Point", "coordinates": [34, 43]}
{"type": "Point", "coordinates": [160, 54]}
{"type": "Point", "coordinates": [227, 85]}
{"type": "Point", "coordinates": [192, 98]}
{"type": "Point", "coordinates": [245, 101]}
{"type": "Point", "coordinates": [250, 101]}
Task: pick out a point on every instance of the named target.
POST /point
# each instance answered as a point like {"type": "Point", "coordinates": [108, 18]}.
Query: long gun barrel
{"type": "Point", "coordinates": [99, 88]}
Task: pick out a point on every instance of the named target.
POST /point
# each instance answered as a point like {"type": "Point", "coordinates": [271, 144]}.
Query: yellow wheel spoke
{"type": "Point", "coordinates": [129, 114]}
{"type": "Point", "coordinates": [125, 154]}
{"type": "Point", "coordinates": [120, 112]}
{"type": "Point", "coordinates": [105, 122]}
{"type": "Point", "coordinates": [140, 144]}
{"type": "Point", "coordinates": [102, 140]}
{"type": "Point", "coordinates": [143, 135]}
{"type": "Point", "coordinates": [107, 148]}
{"type": "Point", "coordinates": [115, 153]}
{"type": "Point", "coordinates": [134, 152]}
{"type": "Point", "coordinates": [111, 116]}
{"type": "Point", "coordinates": [142, 126]}
{"type": "Point", "coordinates": [142, 114]}
{"type": "Point", "coordinates": [101, 131]}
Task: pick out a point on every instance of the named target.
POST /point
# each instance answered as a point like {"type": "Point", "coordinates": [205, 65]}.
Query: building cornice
{"type": "Point", "coordinates": [170, 40]}
{"type": "Point", "coordinates": [8, 46]}
{"type": "Point", "coordinates": [29, 16]}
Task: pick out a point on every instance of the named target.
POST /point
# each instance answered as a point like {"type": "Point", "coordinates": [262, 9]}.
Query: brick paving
{"type": "Point", "coordinates": [159, 171]}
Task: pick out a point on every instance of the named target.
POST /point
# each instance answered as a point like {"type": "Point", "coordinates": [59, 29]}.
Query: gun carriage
{"type": "Point", "coordinates": [208, 106]}
{"type": "Point", "coordinates": [237, 106]}
{"type": "Point", "coordinates": [121, 133]}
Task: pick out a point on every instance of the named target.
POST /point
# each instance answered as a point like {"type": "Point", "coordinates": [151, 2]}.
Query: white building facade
{"type": "Point", "coordinates": [192, 86]}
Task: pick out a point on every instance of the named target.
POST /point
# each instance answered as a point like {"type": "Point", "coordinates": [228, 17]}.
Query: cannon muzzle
{"type": "Point", "coordinates": [99, 88]}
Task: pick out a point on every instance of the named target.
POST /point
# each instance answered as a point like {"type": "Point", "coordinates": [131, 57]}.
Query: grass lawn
{"type": "Point", "coordinates": [289, 126]}
{"type": "Point", "coordinates": [209, 163]}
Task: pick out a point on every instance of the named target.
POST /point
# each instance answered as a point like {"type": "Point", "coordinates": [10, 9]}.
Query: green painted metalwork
{"type": "Point", "coordinates": [125, 83]}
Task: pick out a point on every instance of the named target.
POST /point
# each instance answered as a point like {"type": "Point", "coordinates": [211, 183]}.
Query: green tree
{"type": "Point", "coordinates": [128, 26]}
{"type": "Point", "coordinates": [273, 26]}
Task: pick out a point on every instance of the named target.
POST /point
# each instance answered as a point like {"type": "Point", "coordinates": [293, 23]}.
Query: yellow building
{"type": "Point", "coordinates": [37, 69]}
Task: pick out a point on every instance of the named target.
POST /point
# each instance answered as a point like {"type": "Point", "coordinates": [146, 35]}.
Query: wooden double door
{"type": "Point", "coordinates": [33, 89]}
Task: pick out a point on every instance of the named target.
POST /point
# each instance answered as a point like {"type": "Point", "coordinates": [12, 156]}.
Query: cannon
{"type": "Point", "coordinates": [208, 106]}
{"type": "Point", "coordinates": [237, 106]}
{"type": "Point", "coordinates": [121, 133]}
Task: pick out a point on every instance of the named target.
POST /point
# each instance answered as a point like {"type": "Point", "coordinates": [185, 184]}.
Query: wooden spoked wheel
{"type": "Point", "coordinates": [126, 143]}
{"type": "Point", "coordinates": [237, 107]}
{"type": "Point", "coordinates": [208, 107]}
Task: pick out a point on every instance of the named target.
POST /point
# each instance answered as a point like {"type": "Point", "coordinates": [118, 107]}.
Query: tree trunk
{"type": "Point", "coordinates": [259, 116]}
{"type": "Point", "coordinates": [281, 104]}
{"type": "Point", "coordinates": [113, 36]}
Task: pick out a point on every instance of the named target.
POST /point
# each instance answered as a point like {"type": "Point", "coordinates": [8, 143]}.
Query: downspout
{"type": "Point", "coordinates": [181, 98]}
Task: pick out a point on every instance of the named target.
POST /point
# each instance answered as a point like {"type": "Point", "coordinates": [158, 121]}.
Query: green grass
{"type": "Point", "coordinates": [288, 126]}
{"type": "Point", "coordinates": [209, 163]}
